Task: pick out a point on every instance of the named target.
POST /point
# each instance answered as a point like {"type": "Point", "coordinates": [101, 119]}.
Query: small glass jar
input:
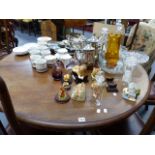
{"type": "Point", "coordinates": [97, 88]}
{"type": "Point", "coordinates": [57, 70]}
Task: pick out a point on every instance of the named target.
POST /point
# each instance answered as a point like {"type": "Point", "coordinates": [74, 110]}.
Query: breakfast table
{"type": "Point", "coordinates": [33, 98]}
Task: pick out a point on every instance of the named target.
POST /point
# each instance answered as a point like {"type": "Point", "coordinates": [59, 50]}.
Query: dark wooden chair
{"type": "Point", "coordinates": [149, 127]}
{"type": "Point", "coordinates": [151, 98]}
{"type": "Point", "coordinates": [7, 36]}
{"type": "Point", "coordinates": [150, 101]}
{"type": "Point", "coordinates": [128, 23]}
{"type": "Point", "coordinates": [75, 23]}
{"type": "Point", "coordinates": [48, 28]}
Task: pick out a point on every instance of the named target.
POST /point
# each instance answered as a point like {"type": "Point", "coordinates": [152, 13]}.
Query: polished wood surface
{"type": "Point", "coordinates": [8, 107]}
{"type": "Point", "coordinates": [33, 93]}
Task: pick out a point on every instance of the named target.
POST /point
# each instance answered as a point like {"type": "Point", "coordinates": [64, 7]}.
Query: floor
{"type": "Point", "coordinates": [25, 38]}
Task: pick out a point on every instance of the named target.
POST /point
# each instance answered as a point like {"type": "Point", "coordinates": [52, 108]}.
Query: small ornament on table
{"type": "Point", "coordinates": [62, 96]}
{"type": "Point", "coordinates": [97, 88]}
{"type": "Point", "coordinates": [80, 73]}
{"type": "Point", "coordinates": [109, 80]}
{"type": "Point", "coordinates": [66, 81]}
{"type": "Point", "coordinates": [111, 85]}
{"type": "Point", "coordinates": [67, 78]}
{"type": "Point", "coordinates": [79, 92]}
{"type": "Point", "coordinates": [66, 85]}
{"type": "Point", "coordinates": [94, 72]}
{"type": "Point", "coordinates": [131, 92]}
{"type": "Point", "coordinates": [99, 79]}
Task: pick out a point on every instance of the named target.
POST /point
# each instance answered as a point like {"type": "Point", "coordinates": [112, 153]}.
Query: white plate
{"type": "Point", "coordinates": [44, 39]}
{"type": "Point", "coordinates": [30, 45]}
{"type": "Point", "coordinates": [34, 52]}
{"type": "Point", "coordinates": [45, 52]}
{"type": "Point", "coordinates": [20, 50]}
{"type": "Point", "coordinates": [42, 47]}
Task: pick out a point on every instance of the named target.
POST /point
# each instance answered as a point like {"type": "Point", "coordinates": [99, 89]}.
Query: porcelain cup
{"type": "Point", "coordinates": [51, 59]}
{"type": "Point", "coordinates": [33, 58]}
{"type": "Point", "coordinates": [132, 88]}
{"type": "Point", "coordinates": [41, 65]}
{"type": "Point", "coordinates": [34, 52]}
{"type": "Point", "coordinates": [45, 52]}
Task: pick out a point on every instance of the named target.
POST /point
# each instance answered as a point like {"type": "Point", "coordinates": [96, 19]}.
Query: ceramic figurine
{"type": "Point", "coordinates": [62, 96]}
{"type": "Point", "coordinates": [66, 81]}
{"type": "Point", "coordinates": [94, 72]}
{"type": "Point", "coordinates": [131, 92]}
{"type": "Point", "coordinates": [80, 73]}
{"type": "Point", "coordinates": [66, 85]}
{"type": "Point", "coordinates": [67, 78]}
{"type": "Point", "coordinates": [79, 92]}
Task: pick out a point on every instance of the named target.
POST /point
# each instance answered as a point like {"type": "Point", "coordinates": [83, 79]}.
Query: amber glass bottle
{"type": "Point", "coordinates": [112, 51]}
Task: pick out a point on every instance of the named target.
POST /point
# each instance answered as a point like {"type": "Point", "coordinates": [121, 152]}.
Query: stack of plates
{"type": "Point", "coordinates": [21, 50]}
{"type": "Point", "coordinates": [44, 39]}
{"type": "Point", "coordinates": [30, 45]}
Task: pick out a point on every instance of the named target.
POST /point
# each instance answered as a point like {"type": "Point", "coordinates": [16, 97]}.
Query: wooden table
{"type": "Point", "coordinates": [33, 95]}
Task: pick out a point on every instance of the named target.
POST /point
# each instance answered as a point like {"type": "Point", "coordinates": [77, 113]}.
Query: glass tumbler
{"type": "Point", "coordinates": [98, 89]}
{"type": "Point", "coordinates": [129, 65]}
